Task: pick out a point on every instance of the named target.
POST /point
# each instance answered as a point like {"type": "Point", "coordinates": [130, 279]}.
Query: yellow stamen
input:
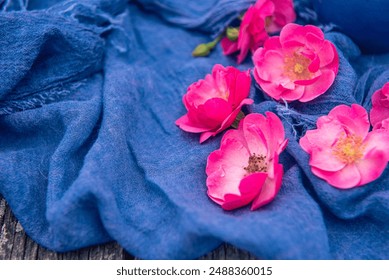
{"type": "Point", "coordinates": [256, 164]}
{"type": "Point", "coordinates": [349, 149]}
{"type": "Point", "coordinates": [296, 67]}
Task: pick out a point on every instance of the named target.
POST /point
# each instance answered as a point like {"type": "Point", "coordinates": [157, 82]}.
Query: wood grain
{"type": "Point", "coordinates": [16, 245]}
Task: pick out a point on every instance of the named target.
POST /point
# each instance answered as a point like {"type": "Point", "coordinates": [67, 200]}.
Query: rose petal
{"type": "Point", "coordinates": [240, 86]}
{"type": "Point", "coordinates": [295, 94]}
{"type": "Point", "coordinates": [295, 32]}
{"type": "Point", "coordinates": [382, 125]}
{"type": "Point", "coordinates": [325, 159]}
{"type": "Point", "coordinates": [243, 45]}
{"type": "Point", "coordinates": [199, 92]}
{"type": "Point", "coordinates": [345, 178]}
{"type": "Point", "coordinates": [264, 135]}
{"type": "Point", "coordinates": [259, 40]}
{"type": "Point", "coordinates": [372, 166]}
{"type": "Point", "coordinates": [274, 132]}
{"type": "Point", "coordinates": [271, 67]}
{"type": "Point", "coordinates": [266, 8]}
{"type": "Point", "coordinates": [354, 119]}
{"type": "Point", "coordinates": [315, 65]}
{"type": "Point", "coordinates": [227, 122]}
{"type": "Point", "coordinates": [249, 187]}
{"type": "Point", "coordinates": [228, 46]}
{"type": "Point", "coordinates": [290, 47]}
{"type": "Point", "coordinates": [214, 111]}
{"type": "Point", "coordinates": [231, 118]}
{"type": "Point", "coordinates": [271, 89]}
{"type": "Point", "coordinates": [323, 137]}
{"type": "Point", "coordinates": [320, 86]}
{"type": "Point", "coordinates": [219, 79]}
{"type": "Point", "coordinates": [185, 124]}
{"type": "Point", "coordinates": [377, 140]}
{"type": "Point", "coordinates": [250, 128]}
{"type": "Point", "coordinates": [286, 85]}
{"type": "Point", "coordinates": [327, 54]}
{"type": "Point", "coordinates": [206, 135]}
{"type": "Point", "coordinates": [225, 168]}
{"type": "Point", "coordinates": [380, 109]}
{"type": "Point", "coordinates": [314, 41]}
{"type": "Point", "coordinates": [270, 188]}
{"type": "Point", "coordinates": [273, 43]}
{"type": "Point", "coordinates": [310, 81]}
{"type": "Point", "coordinates": [378, 114]}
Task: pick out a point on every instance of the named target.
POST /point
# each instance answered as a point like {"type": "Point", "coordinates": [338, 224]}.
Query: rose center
{"type": "Point", "coordinates": [349, 149]}
{"type": "Point", "coordinates": [224, 95]}
{"type": "Point", "coordinates": [268, 22]}
{"type": "Point", "coordinates": [256, 164]}
{"type": "Point", "coordinates": [296, 67]}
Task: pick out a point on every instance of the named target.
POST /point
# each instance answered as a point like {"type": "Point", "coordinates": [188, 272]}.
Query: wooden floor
{"type": "Point", "coordinates": [16, 245]}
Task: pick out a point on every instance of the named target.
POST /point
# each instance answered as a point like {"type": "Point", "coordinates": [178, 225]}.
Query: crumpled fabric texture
{"type": "Point", "coordinates": [89, 151]}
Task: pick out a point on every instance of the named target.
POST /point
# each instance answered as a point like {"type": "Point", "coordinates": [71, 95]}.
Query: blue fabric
{"type": "Point", "coordinates": [371, 33]}
{"type": "Point", "coordinates": [89, 151]}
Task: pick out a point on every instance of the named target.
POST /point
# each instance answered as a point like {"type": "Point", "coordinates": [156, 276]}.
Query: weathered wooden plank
{"type": "Point", "coordinates": [2, 210]}
{"type": "Point", "coordinates": [113, 250]}
{"type": "Point", "coordinates": [16, 245]}
{"type": "Point", "coordinates": [19, 242]}
{"type": "Point", "coordinates": [228, 252]}
{"type": "Point", "coordinates": [31, 250]}
{"type": "Point", "coordinates": [44, 254]}
{"type": "Point", "coordinates": [6, 234]}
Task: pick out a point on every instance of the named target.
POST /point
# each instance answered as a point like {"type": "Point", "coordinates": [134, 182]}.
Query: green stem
{"type": "Point", "coordinates": [212, 44]}
{"type": "Point", "coordinates": [205, 48]}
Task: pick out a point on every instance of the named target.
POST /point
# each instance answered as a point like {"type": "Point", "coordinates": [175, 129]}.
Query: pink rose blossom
{"type": "Point", "coordinates": [297, 65]}
{"type": "Point", "coordinates": [384, 124]}
{"type": "Point", "coordinates": [214, 103]}
{"type": "Point", "coordinates": [266, 16]}
{"type": "Point", "coordinates": [342, 150]}
{"type": "Point", "coordinates": [380, 110]}
{"type": "Point", "coordinates": [245, 169]}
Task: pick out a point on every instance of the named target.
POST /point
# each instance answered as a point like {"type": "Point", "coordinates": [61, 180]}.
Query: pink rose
{"type": "Point", "coordinates": [342, 150]}
{"type": "Point", "coordinates": [266, 16]}
{"type": "Point", "coordinates": [214, 103]}
{"type": "Point", "coordinates": [297, 65]}
{"type": "Point", "coordinates": [283, 14]}
{"type": "Point", "coordinates": [380, 110]}
{"type": "Point", "coordinates": [384, 124]}
{"type": "Point", "coordinates": [246, 167]}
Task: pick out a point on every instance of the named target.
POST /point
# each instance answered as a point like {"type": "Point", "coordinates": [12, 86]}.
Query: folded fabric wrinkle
{"type": "Point", "coordinates": [89, 149]}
